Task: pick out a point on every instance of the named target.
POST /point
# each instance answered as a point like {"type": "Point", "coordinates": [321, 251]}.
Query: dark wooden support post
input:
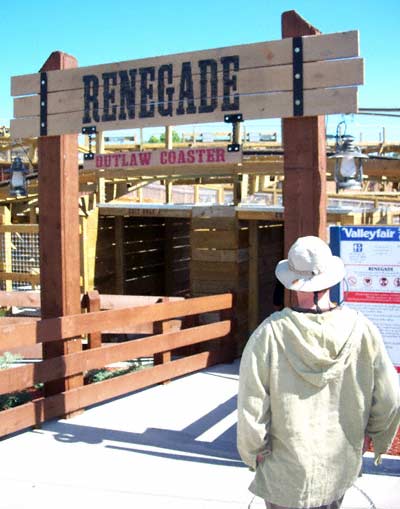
{"type": "Point", "coordinates": [228, 349]}
{"type": "Point", "coordinates": [91, 301]}
{"type": "Point", "coordinates": [120, 269]}
{"type": "Point", "coordinates": [162, 327]}
{"type": "Point", "coordinates": [59, 233]}
{"type": "Point", "coordinates": [304, 189]}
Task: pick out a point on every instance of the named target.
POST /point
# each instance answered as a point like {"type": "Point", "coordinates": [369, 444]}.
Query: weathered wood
{"type": "Point", "coordinates": [19, 228]}
{"type": "Point", "coordinates": [20, 299]}
{"type": "Point", "coordinates": [220, 255]}
{"type": "Point", "coordinates": [34, 279]}
{"type": "Point", "coordinates": [59, 232]}
{"type": "Point", "coordinates": [273, 53]}
{"type": "Point", "coordinates": [5, 246]}
{"type": "Point", "coordinates": [218, 239]}
{"type": "Point", "coordinates": [38, 411]}
{"type": "Point", "coordinates": [253, 274]}
{"type": "Point", "coordinates": [91, 301]}
{"type": "Point", "coordinates": [146, 211]}
{"type": "Point", "coordinates": [55, 329]}
{"type": "Point", "coordinates": [322, 74]}
{"type": "Point", "coordinates": [120, 267]}
{"type": "Point", "coordinates": [215, 271]}
{"type": "Point", "coordinates": [304, 161]}
{"type": "Point", "coordinates": [124, 301]}
{"type": "Point", "coordinates": [21, 377]}
{"type": "Point", "coordinates": [88, 239]}
{"type": "Point", "coordinates": [273, 105]}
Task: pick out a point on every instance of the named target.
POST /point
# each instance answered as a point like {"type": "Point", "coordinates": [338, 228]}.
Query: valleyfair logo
{"type": "Point", "coordinates": [370, 233]}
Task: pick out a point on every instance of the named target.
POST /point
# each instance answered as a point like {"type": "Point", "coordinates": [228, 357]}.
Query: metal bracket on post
{"type": "Point", "coordinates": [43, 104]}
{"type": "Point", "coordinates": [90, 131]}
{"type": "Point", "coordinates": [234, 119]}
{"type": "Point", "coordinates": [298, 99]}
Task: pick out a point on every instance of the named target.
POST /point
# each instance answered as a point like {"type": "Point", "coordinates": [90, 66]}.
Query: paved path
{"type": "Point", "coordinates": [168, 447]}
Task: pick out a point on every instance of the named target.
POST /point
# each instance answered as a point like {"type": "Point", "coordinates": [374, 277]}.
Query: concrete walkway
{"type": "Point", "coordinates": [170, 446]}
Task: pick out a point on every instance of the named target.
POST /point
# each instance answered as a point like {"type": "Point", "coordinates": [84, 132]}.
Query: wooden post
{"type": "Point", "coordinates": [5, 245]}
{"type": "Point", "coordinates": [229, 345]}
{"type": "Point", "coordinates": [59, 233]}
{"type": "Point", "coordinates": [196, 194]}
{"type": "Point", "coordinates": [304, 189]}
{"type": "Point", "coordinates": [168, 191]}
{"type": "Point", "coordinates": [253, 275]}
{"type": "Point", "coordinates": [101, 186]}
{"type": "Point", "coordinates": [91, 301]}
{"type": "Point", "coordinates": [119, 255]}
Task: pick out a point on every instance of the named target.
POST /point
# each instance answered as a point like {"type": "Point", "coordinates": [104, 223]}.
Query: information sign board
{"type": "Point", "coordinates": [371, 255]}
{"type": "Point", "coordinates": [196, 156]}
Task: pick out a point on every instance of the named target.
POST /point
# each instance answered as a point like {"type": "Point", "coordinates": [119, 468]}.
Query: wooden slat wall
{"type": "Point", "coordinates": [143, 256]}
{"type": "Point", "coordinates": [177, 257]}
{"type": "Point", "coordinates": [270, 252]}
{"type": "Point", "coordinates": [219, 263]}
{"type": "Point", "coordinates": [105, 272]}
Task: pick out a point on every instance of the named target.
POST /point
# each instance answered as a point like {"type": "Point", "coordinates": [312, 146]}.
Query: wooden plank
{"type": "Point", "coordinates": [33, 413]}
{"type": "Point", "coordinates": [19, 228]}
{"type": "Point", "coordinates": [323, 74]}
{"type": "Point", "coordinates": [218, 239]}
{"type": "Point", "coordinates": [216, 287]}
{"type": "Point", "coordinates": [218, 223]}
{"type": "Point", "coordinates": [124, 301]}
{"type": "Point", "coordinates": [120, 265]}
{"type": "Point", "coordinates": [6, 245]}
{"type": "Point", "coordinates": [21, 377]}
{"type": "Point", "coordinates": [21, 299]}
{"type": "Point", "coordinates": [149, 211]}
{"type": "Point", "coordinates": [253, 306]}
{"type": "Point", "coordinates": [220, 255]}
{"type": "Point", "coordinates": [198, 269]}
{"type": "Point", "coordinates": [20, 276]}
{"type": "Point", "coordinates": [55, 329]}
{"type": "Point", "coordinates": [258, 106]}
{"type": "Point", "coordinates": [272, 53]}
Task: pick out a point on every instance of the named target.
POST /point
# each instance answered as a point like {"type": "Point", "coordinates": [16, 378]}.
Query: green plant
{"type": "Point", "coordinates": [99, 375]}
{"type": "Point", "coordinates": [14, 399]}
{"type": "Point", "coordinates": [8, 358]}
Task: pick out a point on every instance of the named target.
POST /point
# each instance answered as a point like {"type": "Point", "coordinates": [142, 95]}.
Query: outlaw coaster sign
{"type": "Point", "coordinates": [162, 158]}
{"type": "Point", "coordinates": [303, 76]}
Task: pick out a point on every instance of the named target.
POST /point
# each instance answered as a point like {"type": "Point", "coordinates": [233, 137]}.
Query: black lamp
{"type": "Point", "coordinates": [348, 165]}
{"type": "Point", "coordinates": [18, 173]}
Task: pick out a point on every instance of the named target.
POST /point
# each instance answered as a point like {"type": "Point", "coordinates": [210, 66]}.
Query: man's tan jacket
{"type": "Point", "coordinates": [311, 386]}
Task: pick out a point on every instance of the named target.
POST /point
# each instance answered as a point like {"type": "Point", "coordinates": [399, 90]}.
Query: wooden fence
{"type": "Point", "coordinates": [214, 340]}
{"type": "Point", "coordinates": [143, 256]}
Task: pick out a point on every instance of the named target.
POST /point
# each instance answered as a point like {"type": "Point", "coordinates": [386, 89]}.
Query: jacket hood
{"type": "Point", "coordinates": [318, 346]}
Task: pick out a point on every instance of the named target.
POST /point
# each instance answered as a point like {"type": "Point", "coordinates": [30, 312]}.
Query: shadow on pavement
{"type": "Point", "coordinates": [180, 445]}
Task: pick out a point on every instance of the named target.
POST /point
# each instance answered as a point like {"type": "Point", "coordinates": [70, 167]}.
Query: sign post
{"type": "Point", "coordinates": [59, 233]}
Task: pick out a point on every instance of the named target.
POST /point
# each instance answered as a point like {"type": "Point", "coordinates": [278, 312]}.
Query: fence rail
{"type": "Point", "coordinates": [215, 337]}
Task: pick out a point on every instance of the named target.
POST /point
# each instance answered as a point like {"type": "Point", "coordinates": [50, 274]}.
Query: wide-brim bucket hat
{"type": "Point", "coordinates": [310, 266]}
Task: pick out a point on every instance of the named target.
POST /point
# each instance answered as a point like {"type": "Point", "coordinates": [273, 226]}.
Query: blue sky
{"type": "Point", "coordinates": [104, 32]}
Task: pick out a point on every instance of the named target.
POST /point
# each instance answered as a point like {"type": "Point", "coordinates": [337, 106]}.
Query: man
{"type": "Point", "coordinates": [315, 380]}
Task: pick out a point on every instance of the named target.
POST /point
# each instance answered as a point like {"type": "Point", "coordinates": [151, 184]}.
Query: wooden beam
{"type": "Point", "coordinates": [304, 189]}
{"type": "Point", "coordinates": [5, 245]}
{"type": "Point", "coordinates": [253, 275]}
{"type": "Point", "coordinates": [59, 232]}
